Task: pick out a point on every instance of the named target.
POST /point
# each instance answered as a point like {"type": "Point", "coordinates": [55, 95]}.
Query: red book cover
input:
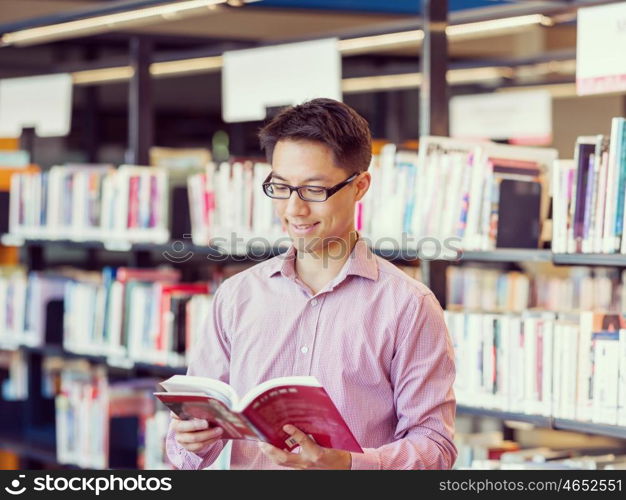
{"type": "Point", "coordinates": [263, 411]}
{"type": "Point", "coordinates": [189, 406]}
{"type": "Point", "coordinates": [133, 201]}
{"type": "Point", "coordinates": [155, 203]}
{"type": "Point", "coordinates": [125, 274]}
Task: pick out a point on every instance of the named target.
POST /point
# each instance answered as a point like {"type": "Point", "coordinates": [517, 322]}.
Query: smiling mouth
{"type": "Point", "coordinates": [304, 226]}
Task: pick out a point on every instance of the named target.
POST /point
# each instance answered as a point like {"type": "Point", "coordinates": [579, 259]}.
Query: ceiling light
{"type": "Point", "coordinates": [496, 26]}
{"type": "Point", "coordinates": [478, 75]}
{"type": "Point", "coordinates": [414, 80]}
{"type": "Point", "coordinates": [380, 83]}
{"type": "Point", "coordinates": [104, 75]}
{"type": "Point", "coordinates": [362, 45]}
{"type": "Point", "coordinates": [157, 69]}
{"type": "Point", "coordinates": [186, 66]}
{"type": "Point", "coordinates": [108, 22]}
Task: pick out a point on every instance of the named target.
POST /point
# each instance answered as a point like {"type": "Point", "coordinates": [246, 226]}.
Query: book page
{"type": "Point", "coordinates": [212, 387]}
{"type": "Point", "coordinates": [275, 382]}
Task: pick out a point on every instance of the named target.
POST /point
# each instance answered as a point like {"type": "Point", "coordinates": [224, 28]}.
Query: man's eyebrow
{"type": "Point", "coordinates": [310, 179]}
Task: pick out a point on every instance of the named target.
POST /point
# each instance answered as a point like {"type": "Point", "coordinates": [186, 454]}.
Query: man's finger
{"type": "Point", "coordinates": [197, 424]}
{"type": "Point", "coordinates": [199, 436]}
{"type": "Point", "coordinates": [280, 457]}
{"type": "Point", "coordinates": [308, 446]}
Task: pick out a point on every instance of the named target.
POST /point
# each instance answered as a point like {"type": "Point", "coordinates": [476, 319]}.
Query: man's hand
{"type": "Point", "coordinates": [311, 456]}
{"type": "Point", "coordinates": [195, 435]}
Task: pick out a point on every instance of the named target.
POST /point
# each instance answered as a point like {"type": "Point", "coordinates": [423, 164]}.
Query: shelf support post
{"type": "Point", "coordinates": [140, 110]}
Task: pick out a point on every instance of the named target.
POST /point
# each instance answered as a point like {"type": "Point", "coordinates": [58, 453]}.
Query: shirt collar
{"type": "Point", "coordinates": [361, 262]}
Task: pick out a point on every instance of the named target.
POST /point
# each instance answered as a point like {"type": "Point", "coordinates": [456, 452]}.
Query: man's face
{"type": "Point", "coordinates": [305, 162]}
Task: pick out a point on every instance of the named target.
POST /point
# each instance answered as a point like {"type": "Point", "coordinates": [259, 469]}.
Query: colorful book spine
{"type": "Point", "coordinates": [589, 206]}
{"type": "Point", "coordinates": [621, 183]}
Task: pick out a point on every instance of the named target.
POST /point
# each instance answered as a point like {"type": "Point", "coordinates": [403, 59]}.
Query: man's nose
{"type": "Point", "coordinates": [296, 206]}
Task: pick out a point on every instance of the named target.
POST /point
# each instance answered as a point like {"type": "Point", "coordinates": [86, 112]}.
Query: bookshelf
{"type": "Point", "coordinates": [148, 254]}
{"type": "Point", "coordinates": [508, 255]}
{"type": "Point", "coordinates": [537, 420]}
{"type": "Point", "coordinates": [497, 256]}
{"type": "Point", "coordinates": [590, 428]}
{"type": "Point", "coordinates": [33, 453]}
{"type": "Point", "coordinates": [561, 424]}
{"type": "Point", "coordinates": [501, 255]}
{"type": "Point", "coordinates": [583, 259]}
{"type": "Point", "coordinates": [127, 368]}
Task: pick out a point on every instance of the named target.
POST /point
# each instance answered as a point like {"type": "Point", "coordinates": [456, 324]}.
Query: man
{"type": "Point", "coordinates": [374, 337]}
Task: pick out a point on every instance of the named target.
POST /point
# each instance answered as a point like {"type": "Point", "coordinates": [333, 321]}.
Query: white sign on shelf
{"type": "Point", "coordinates": [42, 102]}
{"type": "Point", "coordinates": [522, 117]}
{"type": "Point", "coordinates": [280, 75]}
{"type": "Point", "coordinates": [600, 49]}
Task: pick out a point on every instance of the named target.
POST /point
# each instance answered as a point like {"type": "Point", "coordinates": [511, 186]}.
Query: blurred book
{"type": "Point", "coordinates": [91, 202]}
{"type": "Point", "coordinates": [568, 366]}
{"type": "Point", "coordinates": [588, 195]}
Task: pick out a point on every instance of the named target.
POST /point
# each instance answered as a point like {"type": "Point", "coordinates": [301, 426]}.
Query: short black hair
{"type": "Point", "coordinates": [326, 121]}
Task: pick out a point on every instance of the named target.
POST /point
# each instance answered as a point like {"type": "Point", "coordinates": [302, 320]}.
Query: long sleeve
{"type": "Point", "coordinates": [422, 373]}
{"type": "Point", "coordinates": [211, 358]}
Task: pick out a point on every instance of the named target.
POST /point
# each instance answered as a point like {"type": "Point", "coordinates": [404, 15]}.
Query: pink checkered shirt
{"type": "Point", "coordinates": [375, 339]}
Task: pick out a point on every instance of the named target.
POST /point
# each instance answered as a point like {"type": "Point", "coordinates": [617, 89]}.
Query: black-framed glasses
{"type": "Point", "coordinates": [281, 191]}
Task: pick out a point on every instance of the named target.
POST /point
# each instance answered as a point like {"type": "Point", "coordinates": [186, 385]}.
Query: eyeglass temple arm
{"type": "Point", "coordinates": [336, 188]}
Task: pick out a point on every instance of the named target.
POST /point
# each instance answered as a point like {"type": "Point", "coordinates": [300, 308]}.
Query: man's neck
{"type": "Point", "coordinates": [317, 268]}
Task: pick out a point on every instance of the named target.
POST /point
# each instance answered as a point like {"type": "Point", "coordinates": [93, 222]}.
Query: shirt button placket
{"type": "Point", "coordinates": [308, 337]}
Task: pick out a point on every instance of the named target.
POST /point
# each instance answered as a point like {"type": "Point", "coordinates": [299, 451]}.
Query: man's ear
{"type": "Point", "coordinates": [363, 184]}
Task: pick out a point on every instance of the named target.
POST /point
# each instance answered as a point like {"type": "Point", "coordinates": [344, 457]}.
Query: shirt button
{"type": "Point", "coordinates": [314, 302]}
{"type": "Point", "coordinates": [304, 350]}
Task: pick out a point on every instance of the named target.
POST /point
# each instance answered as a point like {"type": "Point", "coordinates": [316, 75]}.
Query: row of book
{"type": "Point", "coordinates": [102, 424]}
{"type": "Point", "coordinates": [449, 189]}
{"type": "Point", "coordinates": [469, 191]}
{"type": "Point", "coordinates": [228, 207]}
{"type": "Point", "coordinates": [91, 202]}
{"type": "Point", "coordinates": [589, 194]}
{"type": "Point", "coordinates": [24, 305]}
{"type": "Point", "coordinates": [127, 315]}
{"type": "Point", "coordinates": [472, 191]}
{"type": "Point", "coordinates": [481, 288]}
{"type": "Point", "coordinates": [570, 366]}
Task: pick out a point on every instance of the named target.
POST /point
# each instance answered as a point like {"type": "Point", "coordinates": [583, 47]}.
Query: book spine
{"type": "Point", "coordinates": [621, 403]}
{"type": "Point", "coordinates": [582, 175]}
{"type": "Point", "coordinates": [144, 189]}
{"type": "Point", "coordinates": [611, 197]}
{"type": "Point", "coordinates": [621, 188]}
{"type": "Point", "coordinates": [589, 204]}
{"type": "Point", "coordinates": [601, 203]}
{"type": "Point", "coordinates": [571, 197]}
{"type": "Point", "coordinates": [153, 211]}
{"type": "Point", "coordinates": [133, 202]}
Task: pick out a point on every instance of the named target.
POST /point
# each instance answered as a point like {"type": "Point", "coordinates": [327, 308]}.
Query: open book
{"type": "Point", "coordinates": [263, 411]}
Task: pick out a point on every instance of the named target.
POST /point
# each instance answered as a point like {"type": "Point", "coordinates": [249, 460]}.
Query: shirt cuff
{"type": "Point", "coordinates": [368, 460]}
{"type": "Point", "coordinates": [210, 456]}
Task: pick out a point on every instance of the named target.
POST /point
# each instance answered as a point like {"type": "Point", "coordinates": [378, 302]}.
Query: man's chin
{"type": "Point", "coordinates": [309, 243]}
